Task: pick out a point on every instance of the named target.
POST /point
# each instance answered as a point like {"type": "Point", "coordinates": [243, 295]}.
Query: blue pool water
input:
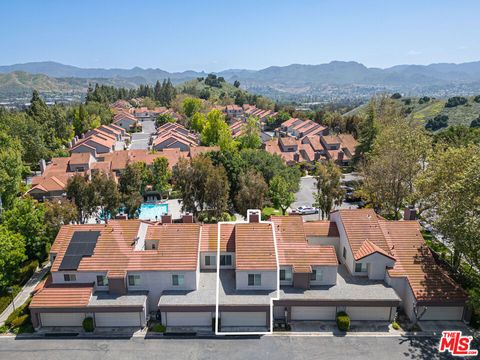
{"type": "Point", "coordinates": [149, 211]}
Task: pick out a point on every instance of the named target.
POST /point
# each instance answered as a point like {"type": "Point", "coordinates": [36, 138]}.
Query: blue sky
{"type": "Point", "coordinates": [177, 35]}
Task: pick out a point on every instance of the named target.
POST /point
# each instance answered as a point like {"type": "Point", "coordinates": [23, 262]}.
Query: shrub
{"type": "Point", "coordinates": [343, 321]}
{"type": "Point", "coordinates": [396, 96]}
{"type": "Point", "coordinates": [159, 328]}
{"type": "Point", "coordinates": [88, 324]}
{"type": "Point", "coordinates": [423, 100]}
{"type": "Point", "coordinates": [22, 310]}
{"type": "Point", "coordinates": [438, 122]}
{"type": "Point", "coordinates": [21, 320]}
{"type": "Point", "coordinates": [27, 271]}
{"type": "Point", "coordinates": [395, 325]}
{"type": "Point", "coordinates": [455, 101]}
{"type": "Point", "coordinates": [477, 99]}
{"type": "Point", "coordinates": [3, 329]}
{"type": "Point", "coordinates": [475, 123]}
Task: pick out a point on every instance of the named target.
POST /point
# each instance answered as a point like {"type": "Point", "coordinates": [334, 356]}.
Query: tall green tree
{"type": "Point", "coordinates": [58, 213]}
{"type": "Point", "coordinates": [27, 218]}
{"type": "Point", "coordinates": [449, 193]}
{"type": "Point", "coordinates": [12, 255]}
{"type": "Point", "coordinates": [250, 138]}
{"type": "Point", "coordinates": [191, 105]}
{"type": "Point", "coordinates": [398, 155]}
{"type": "Point", "coordinates": [280, 193]}
{"type": "Point", "coordinates": [251, 193]}
{"type": "Point", "coordinates": [217, 132]}
{"type": "Point", "coordinates": [161, 174]}
{"type": "Point", "coordinates": [198, 122]}
{"type": "Point", "coordinates": [11, 169]}
{"type": "Point", "coordinates": [82, 195]}
{"type": "Point", "coordinates": [106, 193]}
{"type": "Point", "coordinates": [328, 187]}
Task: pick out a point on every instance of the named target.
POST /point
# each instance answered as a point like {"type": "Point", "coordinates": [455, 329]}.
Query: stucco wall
{"type": "Point", "coordinates": [155, 282]}
{"type": "Point", "coordinates": [348, 261]}
{"type": "Point", "coordinates": [269, 280]}
{"type": "Point", "coordinates": [329, 275]}
{"type": "Point", "coordinates": [322, 240]}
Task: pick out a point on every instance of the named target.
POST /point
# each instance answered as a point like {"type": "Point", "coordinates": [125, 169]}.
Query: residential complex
{"type": "Point", "coordinates": [243, 276]}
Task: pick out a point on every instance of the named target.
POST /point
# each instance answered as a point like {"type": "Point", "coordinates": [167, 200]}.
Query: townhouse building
{"type": "Point", "coordinates": [244, 275]}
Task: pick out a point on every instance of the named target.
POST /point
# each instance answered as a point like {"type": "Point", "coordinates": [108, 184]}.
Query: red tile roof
{"type": "Point", "coordinates": [210, 237]}
{"type": "Point", "coordinates": [62, 296]}
{"type": "Point", "coordinates": [429, 282]}
{"type": "Point", "coordinates": [321, 228]}
{"type": "Point", "coordinates": [254, 247]}
{"type": "Point", "coordinates": [294, 249]}
{"type": "Point", "coordinates": [361, 225]}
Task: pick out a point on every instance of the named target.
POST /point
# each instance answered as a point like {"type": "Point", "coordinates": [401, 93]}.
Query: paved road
{"type": "Point", "coordinates": [140, 140]}
{"type": "Point", "coordinates": [24, 294]}
{"type": "Point", "coordinates": [265, 348]}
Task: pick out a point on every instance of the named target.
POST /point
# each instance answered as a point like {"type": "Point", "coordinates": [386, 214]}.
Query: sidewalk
{"type": "Point", "coordinates": [24, 294]}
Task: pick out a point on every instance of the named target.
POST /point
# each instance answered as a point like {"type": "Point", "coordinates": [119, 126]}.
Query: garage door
{"type": "Point", "coordinates": [313, 313]}
{"type": "Point", "coordinates": [189, 319]}
{"type": "Point", "coordinates": [62, 319]}
{"type": "Point", "coordinates": [368, 313]}
{"type": "Point", "coordinates": [117, 319]}
{"type": "Point", "coordinates": [442, 313]}
{"type": "Point", "coordinates": [244, 319]}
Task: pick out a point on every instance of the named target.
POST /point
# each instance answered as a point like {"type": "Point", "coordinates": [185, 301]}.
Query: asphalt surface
{"type": "Point", "coordinates": [264, 348]}
{"type": "Point", "coordinates": [304, 197]}
{"type": "Point", "coordinates": [140, 140]}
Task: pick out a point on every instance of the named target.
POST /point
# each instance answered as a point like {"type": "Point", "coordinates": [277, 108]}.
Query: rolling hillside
{"type": "Point", "coordinates": [458, 115]}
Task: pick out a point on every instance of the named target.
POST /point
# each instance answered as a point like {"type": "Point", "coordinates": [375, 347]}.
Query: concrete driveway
{"type": "Point", "coordinates": [140, 140]}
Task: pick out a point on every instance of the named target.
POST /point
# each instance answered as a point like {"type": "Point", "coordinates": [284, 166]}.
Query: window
{"type": "Point", "coordinates": [133, 280]}
{"type": "Point", "coordinates": [177, 280]}
{"type": "Point", "coordinates": [153, 246]}
{"type": "Point", "coordinates": [225, 260]}
{"type": "Point", "coordinates": [317, 275]}
{"type": "Point", "coordinates": [344, 253]}
{"type": "Point", "coordinates": [359, 267]}
{"type": "Point", "coordinates": [209, 260]}
{"type": "Point", "coordinates": [69, 277]}
{"type": "Point", "coordinates": [285, 274]}
{"type": "Point", "coordinates": [254, 279]}
{"type": "Point", "coordinates": [102, 280]}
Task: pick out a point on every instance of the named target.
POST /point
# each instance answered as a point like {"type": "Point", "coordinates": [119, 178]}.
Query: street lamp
{"type": "Point", "coordinates": [10, 291]}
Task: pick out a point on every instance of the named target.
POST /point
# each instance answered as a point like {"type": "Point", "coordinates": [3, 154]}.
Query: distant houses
{"type": "Point", "coordinates": [174, 136]}
{"type": "Point", "coordinates": [306, 141]}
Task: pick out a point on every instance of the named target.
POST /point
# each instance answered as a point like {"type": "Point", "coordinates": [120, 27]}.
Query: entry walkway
{"type": "Point", "coordinates": [24, 294]}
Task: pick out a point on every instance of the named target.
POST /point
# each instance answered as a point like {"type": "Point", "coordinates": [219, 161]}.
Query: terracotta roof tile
{"type": "Point", "coordinates": [62, 296]}
{"type": "Point", "coordinates": [254, 247]}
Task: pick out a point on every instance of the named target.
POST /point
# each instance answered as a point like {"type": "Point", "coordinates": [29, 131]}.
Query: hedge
{"type": "Point", "coordinates": [343, 321]}
{"type": "Point", "coordinates": [88, 324]}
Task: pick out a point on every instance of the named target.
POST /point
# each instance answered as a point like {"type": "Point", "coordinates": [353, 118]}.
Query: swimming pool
{"type": "Point", "coordinates": [148, 211]}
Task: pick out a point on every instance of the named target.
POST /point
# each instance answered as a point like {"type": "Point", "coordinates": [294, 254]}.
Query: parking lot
{"type": "Point", "coordinates": [304, 197]}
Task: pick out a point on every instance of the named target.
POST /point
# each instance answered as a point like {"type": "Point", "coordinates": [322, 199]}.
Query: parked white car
{"type": "Point", "coordinates": [306, 210]}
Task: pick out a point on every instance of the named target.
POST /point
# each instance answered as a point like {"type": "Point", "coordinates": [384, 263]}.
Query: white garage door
{"type": "Point", "coordinates": [117, 319]}
{"type": "Point", "coordinates": [189, 319]}
{"type": "Point", "coordinates": [62, 319]}
{"type": "Point", "coordinates": [442, 313]}
{"type": "Point", "coordinates": [244, 318]}
{"type": "Point", "coordinates": [368, 313]}
{"type": "Point", "coordinates": [313, 313]}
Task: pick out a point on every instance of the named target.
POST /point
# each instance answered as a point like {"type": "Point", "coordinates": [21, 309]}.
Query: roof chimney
{"type": "Point", "coordinates": [166, 219]}
{"type": "Point", "coordinates": [340, 156]}
{"type": "Point", "coordinates": [410, 213]}
{"type": "Point", "coordinates": [187, 219]}
{"type": "Point", "coordinates": [253, 216]}
{"type": "Point", "coordinates": [43, 166]}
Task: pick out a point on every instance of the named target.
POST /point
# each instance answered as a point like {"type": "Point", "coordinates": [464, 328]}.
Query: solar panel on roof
{"type": "Point", "coordinates": [82, 244]}
{"type": "Point", "coordinates": [70, 262]}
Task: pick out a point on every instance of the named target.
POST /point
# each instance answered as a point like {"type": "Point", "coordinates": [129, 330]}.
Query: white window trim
{"type": "Point", "coordinates": [134, 277]}
{"type": "Point", "coordinates": [255, 277]}
{"type": "Point", "coordinates": [71, 277]}
{"type": "Point", "coordinates": [179, 282]}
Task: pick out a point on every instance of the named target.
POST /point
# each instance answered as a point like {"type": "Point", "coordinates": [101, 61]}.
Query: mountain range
{"type": "Point", "coordinates": [337, 79]}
